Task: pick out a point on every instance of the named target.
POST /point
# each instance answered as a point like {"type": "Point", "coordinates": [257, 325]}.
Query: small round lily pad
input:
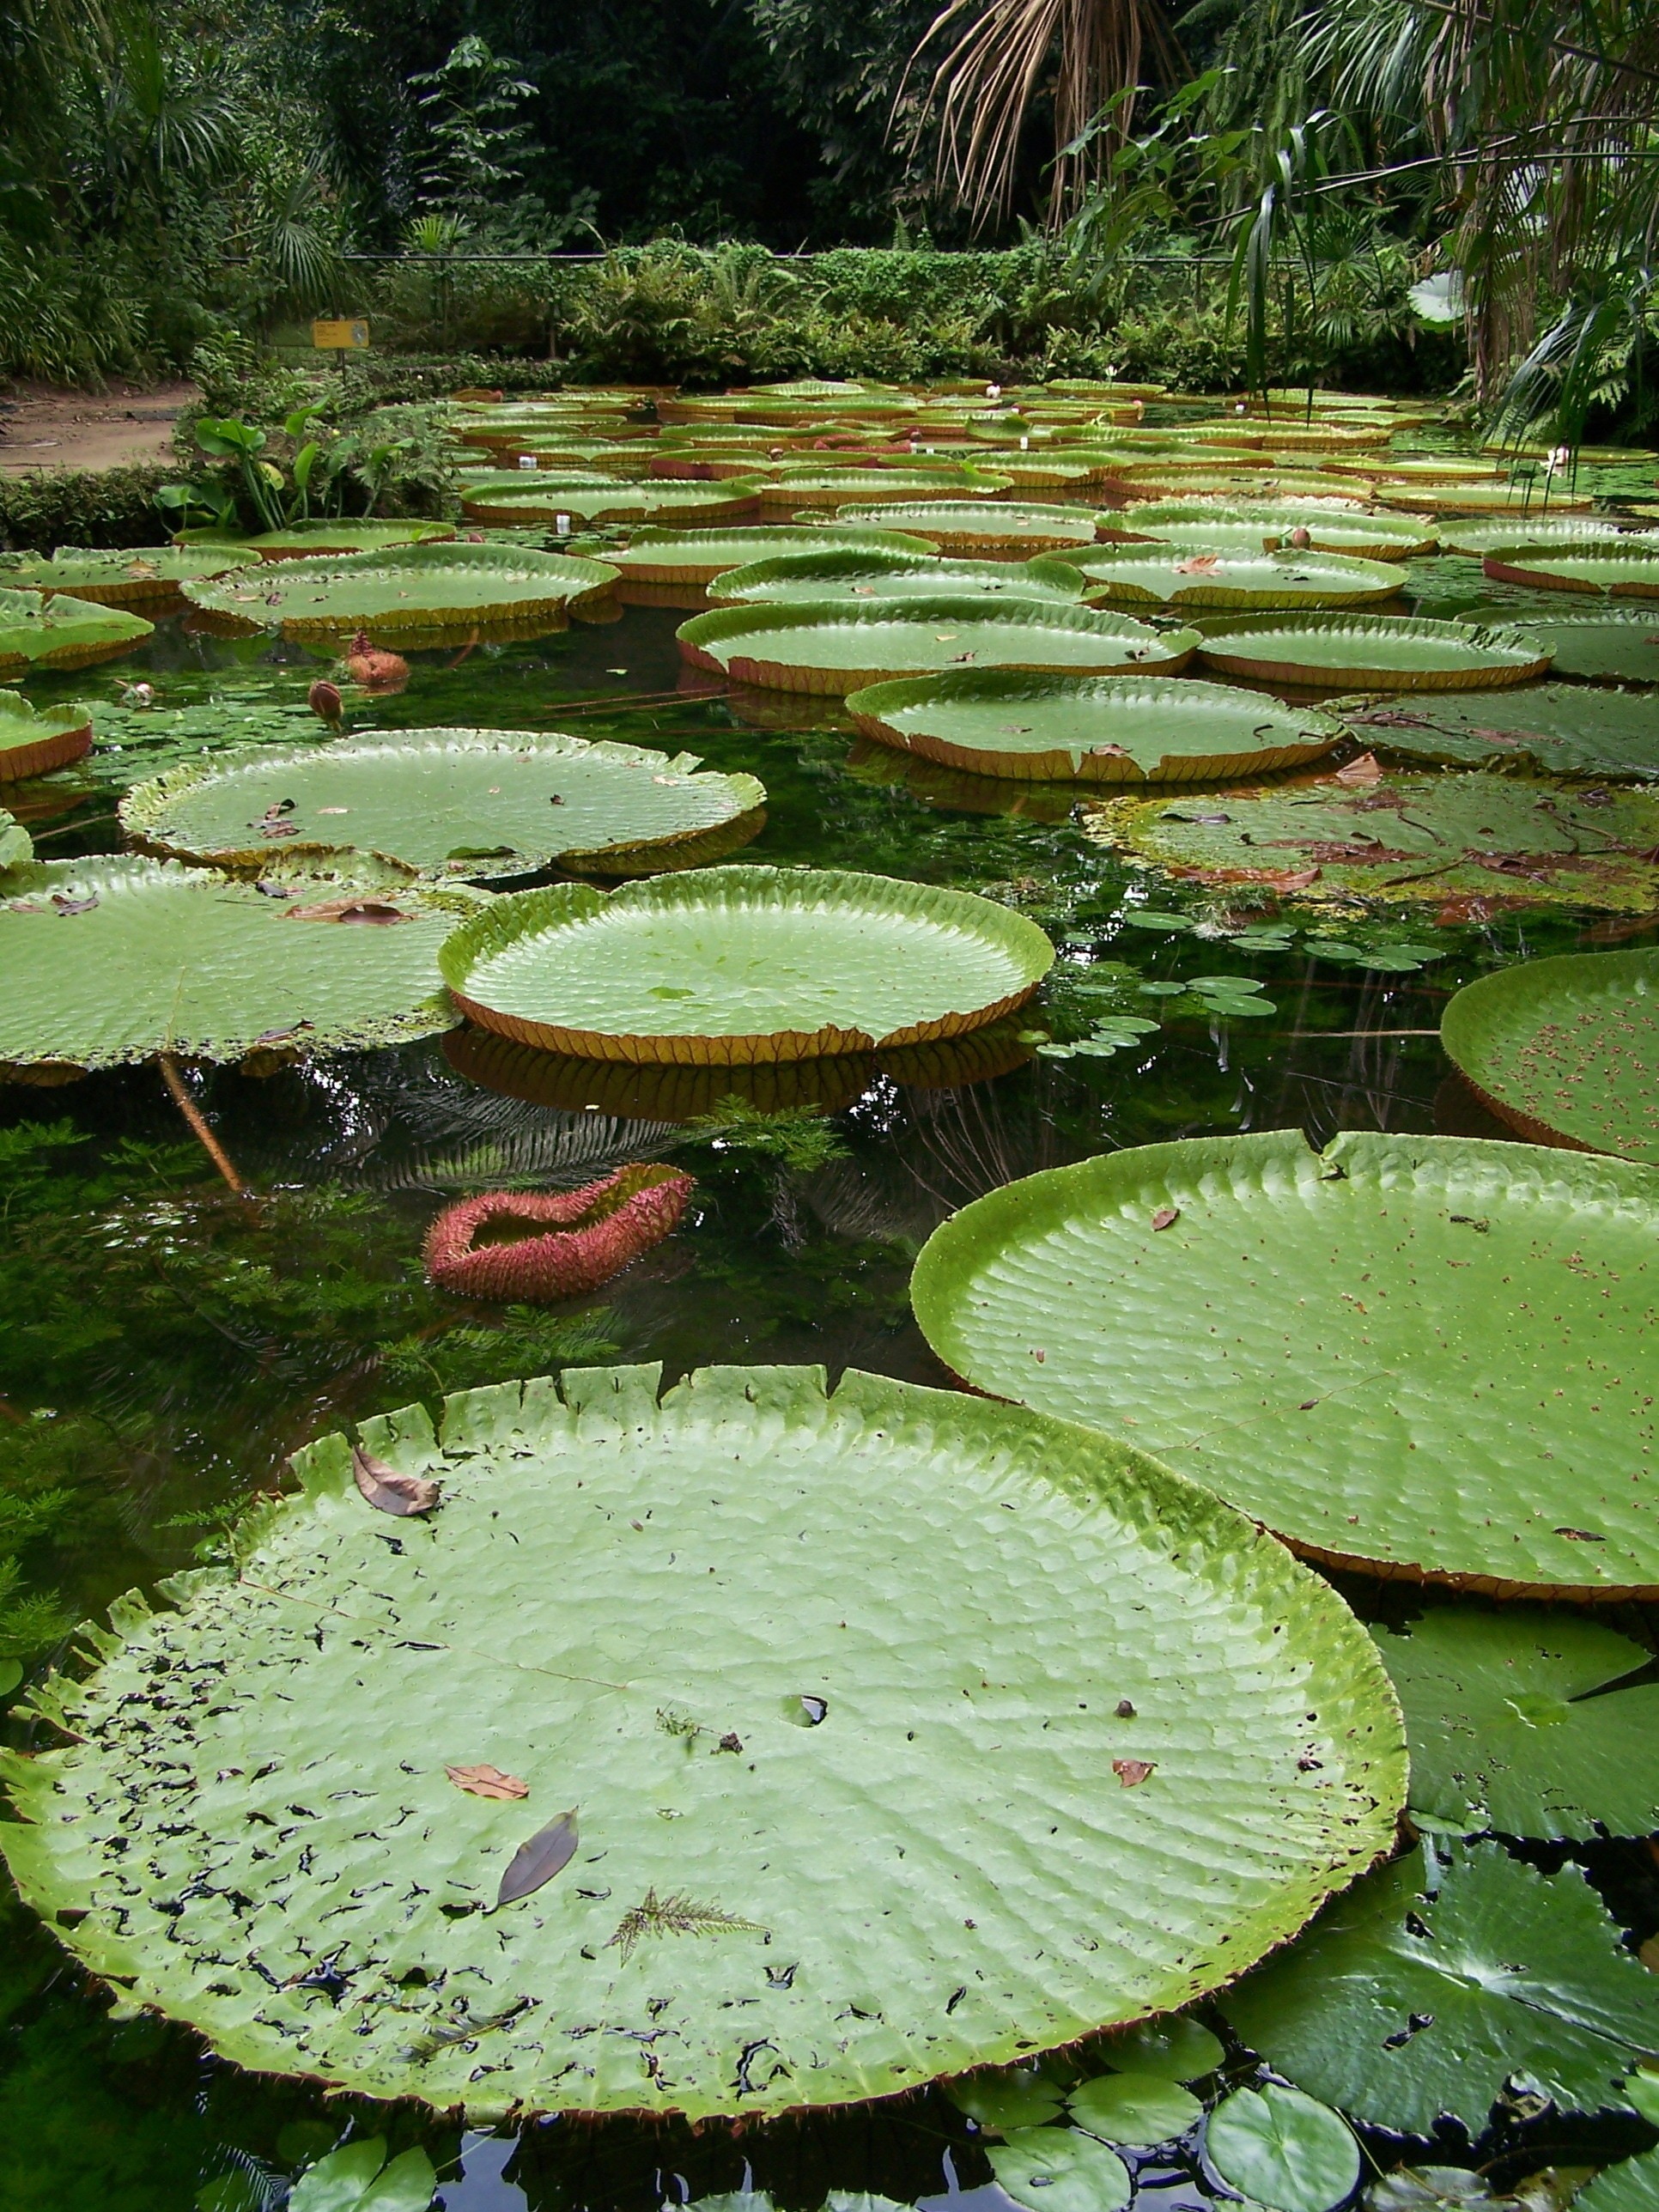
{"type": "Point", "coordinates": [1283, 2150]}
{"type": "Point", "coordinates": [1060, 2170]}
{"type": "Point", "coordinates": [1136, 2109]}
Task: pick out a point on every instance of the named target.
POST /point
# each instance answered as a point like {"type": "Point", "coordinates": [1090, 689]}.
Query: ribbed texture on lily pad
{"type": "Point", "coordinates": [411, 589]}
{"type": "Point", "coordinates": [829, 1687]}
{"type": "Point", "coordinates": [1379, 652]}
{"type": "Point", "coordinates": [738, 965]}
{"type": "Point", "coordinates": [1348, 1345]}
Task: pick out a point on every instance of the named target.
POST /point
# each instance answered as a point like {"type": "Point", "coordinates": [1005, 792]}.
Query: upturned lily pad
{"type": "Point", "coordinates": [1098, 729]}
{"type": "Point", "coordinates": [1522, 505]}
{"type": "Point", "coordinates": [1283, 2149]}
{"type": "Point", "coordinates": [1432, 1985]}
{"type": "Point", "coordinates": [1612, 572]}
{"type": "Point", "coordinates": [1381, 653]}
{"type": "Point", "coordinates": [108, 961]}
{"type": "Point", "coordinates": [1566, 1049]}
{"type": "Point", "coordinates": [1566, 533]}
{"type": "Point", "coordinates": [422, 589]}
{"type": "Point", "coordinates": [624, 1605]}
{"type": "Point", "coordinates": [1347, 1344]}
{"type": "Point", "coordinates": [544, 499]}
{"type": "Point", "coordinates": [1125, 577]}
{"type": "Point", "coordinates": [1512, 1724]}
{"type": "Point", "coordinates": [61, 632]}
{"type": "Point", "coordinates": [34, 740]}
{"type": "Point", "coordinates": [838, 575]}
{"type": "Point", "coordinates": [830, 651]}
{"type": "Point", "coordinates": [969, 527]}
{"type": "Point", "coordinates": [742, 964]}
{"type": "Point", "coordinates": [1603, 649]}
{"type": "Point", "coordinates": [123, 579]}
{"type": "Point", "coordinates": [327, 534]}
{"type": "Point", "coordinates": [1331, 527]}
{"type": "Point", "coordinates": [697, 556]}
{"type": "Point", "coordinates": [475, 803]}
{"type": "Point", "coordinates": [1564, 729]}
{"type": "Point", "coordinates": [871, 492]}
{"type": "Point", "coordinates": [1452, 839]}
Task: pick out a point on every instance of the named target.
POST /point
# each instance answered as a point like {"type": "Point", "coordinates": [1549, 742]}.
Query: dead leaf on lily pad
{"type": "Point", "coordinates": [388, 1491]}
{"type": "Point", "coordinates": [1360, 772]}
{"type": "Point", "coordinates": [487, 1780]}
{"type": "Point", "coordinates": [1131, 1773]}
{"type": "Point", "coordinates": [349, 909]}
{"type": "Point", "coordinates": [538, 1861]}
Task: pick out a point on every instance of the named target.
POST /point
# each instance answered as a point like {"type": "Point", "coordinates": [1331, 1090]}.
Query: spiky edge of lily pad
{"type": "Point", "coordinates": [507, 919]}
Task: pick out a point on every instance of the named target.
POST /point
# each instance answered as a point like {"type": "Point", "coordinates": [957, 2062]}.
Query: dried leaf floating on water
{"type": "Point", "coordinates": [617, 1602]}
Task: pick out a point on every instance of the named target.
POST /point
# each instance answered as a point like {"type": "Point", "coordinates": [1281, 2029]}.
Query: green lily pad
{"type": "Point", "coordinates": [834, 575]}
{"type": "Point", "coordinates": [1282, 2149]}
{"type": "Point", "coordinates": [743, 964]}
{"type": "Point", "coordinates": [1633, 2185]}
{"type": "Point", "coordinates": [1434, 1983]}
{"type": "Point", "coordinates": [971, 526]}
{"type": "Point", "coordinates": [1178, 2050]}
{"type": "Point", "coordinates": [471, 803]}
{"type": "Point", "coordinates": [1098, 729]}
{"type": "Point", "coordinates": [830, 651]}
{"type": "Point", "coordinates": [123, 579]}
{"type": "Point", "coordinates": [1562, 729]}
{"type": "Point", "coordinates": [16, 846]}
{"type": "Point", "coordinates": [1123, 576]}
{"type": "Point", "coordinates": [61, 632]}
{"type": "Point", "coordinates": [697, 556]}
{"type": "Point", "coordinates": [870, 493]}
{"type": "Point", "coordinates": [1136, 2109]}
{"type": "Point", "coordinates": [1060, 2170]}
{"type": "Point", "coordinates": [1523, 505]}
{"type": "Point", "coordinates": [533, 498]}
{"type": "Point", "coordinates": [422, 589]}
{"type": "Point", "coordinates": [1366, 534]}
{"type": "Point", "coordinates": [1512, 1725]}
{"type": "Point", "coordinates": [1341, 1345]}
{"type": "Point", "coordinates": [108, 961]}
{"type": "Point", "coordinates": [358, 2178]}
{"type": "Point", "coordinates": [1453, 840]}
{"type": "Point", "coordinates": [1012, 2097]}
{"type": "Point", "coordinates": [1624, 572]}
{"type": "Point", "coordinates": [1566, 1049]}
{"type": "Point", "coordinates": [1383, 653]}
{"type": "Point", "coordinates": [637, 1680]}
{"type": "Point", "coordinates": [34, 740]}
{"type": "Point", "coordinates": [1603, 649]}
{"type": "Point", "coordinates": [328, 534]}
{"type": "Point", "coordinates": [1567, 533]}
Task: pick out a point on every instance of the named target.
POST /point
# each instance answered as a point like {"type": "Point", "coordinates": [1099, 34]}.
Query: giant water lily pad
{"type": "Point", "coordinates": [108, 961]}
{"type": "Point", "coordinates": [1347, 1344]}
{"type": "Point", "coordinates": [127, 578]}
{"type": "Point", "coordinates": [34, 740]}
{"type": "Point", "coordinates": [469, 803]}
{"type": "Point", "coordinates": [693, 1633]}
{"type": "Point", "coordinates": [61, 632]}
{"type": "Point", "coordinates": [422, 589]}
{"type": "Point", "coordinates": [835, 488]}
{"type": "Point", "coordinates": [1603, 649]}
{"type": "Point", "coordinates": [743, 964]}
{"type": "Point", "coordinates": [1621, 572]}
{"type": "Point", "coordinates": [1331, 527]}
{"type": "Point", "coordinates": [967, 526]}
{"type": "Point", "coordinates": [1566, 729]}
{"type": "Point", "coordinates": [1566, 1049]}
{"type": "Point", "coordinates": [326, 534]}
{"type": "Point", "coordinates": [696, 556]}
{"type": "Point", "coordinates": [830, 651]}
{"type": "Point", "coordinates": [1450, 839]}
{"type": "Point", "coordinates": [532, 498]}
{"type": "Point", "coordinates": [1564, 533]}
{"type": "Point", "coordinates": [1381, 653]}
{"type": "Point", "coordinates": [1124, 576]}
{"type": "Point", "coordinates": [1512, 1724]}
{"type": "Point", "coordinates": [1098, 729]}
{"type": "Point", "coordinates": [1432, 1985]}
{"type": "Point", "coordinates": [846, 574]}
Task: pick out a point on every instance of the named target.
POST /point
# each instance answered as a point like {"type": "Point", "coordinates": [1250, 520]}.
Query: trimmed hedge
{"type": "Point", "coordinates": [84, 506]}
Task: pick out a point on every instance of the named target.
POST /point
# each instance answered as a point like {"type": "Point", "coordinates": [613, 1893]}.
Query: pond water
{"type": "Point", "coordinates": [163, 1354]}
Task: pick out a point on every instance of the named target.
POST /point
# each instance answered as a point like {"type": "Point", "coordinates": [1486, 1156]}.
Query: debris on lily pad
{"type": "Point", "coordinates": [1558, 729]}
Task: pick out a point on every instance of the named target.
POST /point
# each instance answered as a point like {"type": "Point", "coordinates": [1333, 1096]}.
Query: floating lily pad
{"type": "Point", "coordinates": [1098, 729]}
{"type": "Point", "coordinates": [877, 490]}
{"type": "Point", "coordinates": [1283, 2149]}
{"type": "Point", "coordinates": [1331, 527]}
{"type": "Point", "coordinates": [1136, 2109]}
{"type": "Point", "coordinates": [1124, 577]}
{"type": "Point", "coordinates": [1409, 838]}
{"type": "Point", "coordinates": [971, 526]}
{"type": "Point", "coordinates": [1346, 1344]}
{"type": "Point", "coordinates": [1633, 2185]}
{"type": "Point", "coordinates": [534, 499]}
{"type": "Point", "coordinates": [123, 579]}
{"type": "Point", "coordinates": [1630, 572]}
{"type": "Point", "coordinates": [1522, 506]}
{"type": "Point", "coordinates": [830, 651]}
{"type": "Point", "coordinates": [1566, 1049]}
{"type": "Point", "coordinates": [108, 961]}
{"type": "Point", "coordinates": [1060, 2170]}
{"type": "Point", "coordinates": [1512, 1725]}
{"type": "Point", "coordinates": [612, 1601]}
{"type": "Point", "coordinates": [1382, 652]}
{"type": "Point", "coordinates": [470, 803]}
{"type": "Point", "coordinates": [696, 556]}
{"type": "Point", "coordinates": [1177, 2050]}
{"type": "Point", "coordinates": [835, 575]}
{"type": "Point", "coordinates": [331, 534]}
{"type": "Point", "coordinates": [422, 589]}
{"type": "Point", "coordinates": [1011, 2098]}
{"type": "Point", "coordinates": [61, 632]}
{"type": "Point", "coordinates": [742, 964]}
{"type": "Point", "coordinates": [1434, 1983]}
{"type": "Point", "coordinates": [34, 740]}
{"type": "Point", "coordinates": [1565, 729]}
{"type": "Point", "coordinates": [1565, 532]}
{"type": "Point", "coordinates": [1604, 648]}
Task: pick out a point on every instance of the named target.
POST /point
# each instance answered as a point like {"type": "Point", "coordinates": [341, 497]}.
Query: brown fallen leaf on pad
{"type": "Point", "coordinates": [487, 1780]}
{"type": "Point", "coordinates": [1166, 1217]}
{"type": "Point", "coordinates": [1360, 772]}
{"type": "Point", "coordinates": [388, 1491]}
{"type": "Point", "coordinates": [1199, 564]}
{"type": "Point", "coordinates": [1132, 1771]}
{"type": "Point", "coordinates": [540, 1859]}
{"type": "Point", "coordinates": [358, 909]}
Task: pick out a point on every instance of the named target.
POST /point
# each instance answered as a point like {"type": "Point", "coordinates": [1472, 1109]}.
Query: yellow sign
{"type": "Point", "coordinates": [340, 338]}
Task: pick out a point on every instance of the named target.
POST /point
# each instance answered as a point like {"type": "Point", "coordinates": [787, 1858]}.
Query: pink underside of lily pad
{"type": "Point", "coordinates": [570, 1241]}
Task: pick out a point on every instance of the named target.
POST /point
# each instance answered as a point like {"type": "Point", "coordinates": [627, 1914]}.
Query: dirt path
{"type": "Point", "coordinates": [44, 429]}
